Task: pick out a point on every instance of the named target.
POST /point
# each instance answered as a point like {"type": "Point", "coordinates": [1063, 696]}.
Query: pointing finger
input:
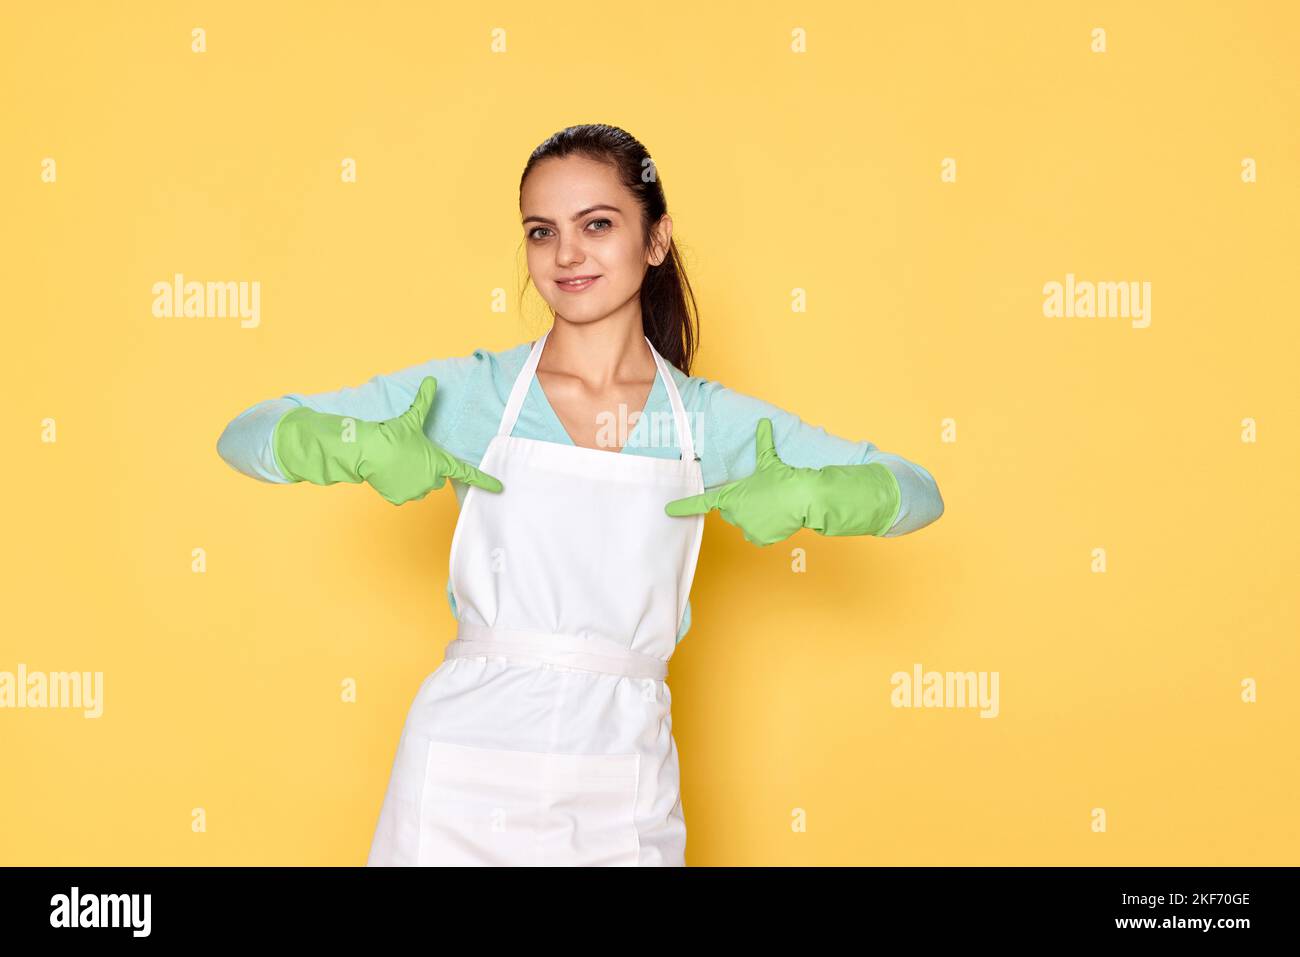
{"type": "Point", "coordinates": [464, 472]}
{"type": "Point", "coordinates": [694, 504]}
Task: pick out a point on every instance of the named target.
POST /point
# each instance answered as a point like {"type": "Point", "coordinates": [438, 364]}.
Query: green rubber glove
{"type": "Point", "coordinates": [777, 499]}
{"type": "Point", "coordinates": [395, 456]}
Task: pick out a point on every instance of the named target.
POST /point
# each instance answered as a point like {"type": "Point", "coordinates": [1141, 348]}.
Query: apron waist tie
{"type": "Point", "coordinates": [570, 651]}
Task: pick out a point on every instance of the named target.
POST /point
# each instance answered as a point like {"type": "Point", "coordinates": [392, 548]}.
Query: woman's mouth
{"type": "Point", "coordinates": [577, 283]}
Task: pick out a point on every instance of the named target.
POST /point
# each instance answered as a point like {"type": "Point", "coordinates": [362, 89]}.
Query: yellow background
{"type": "Point", "coordinates": [818, 171]}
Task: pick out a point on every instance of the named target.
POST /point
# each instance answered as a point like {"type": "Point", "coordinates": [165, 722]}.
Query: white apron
{"type": "Point", "coordinates": [544, 737]}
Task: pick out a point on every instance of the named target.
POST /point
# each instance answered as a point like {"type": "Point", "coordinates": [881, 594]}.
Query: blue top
{"type": "Point", "coordinates": [472, 394]}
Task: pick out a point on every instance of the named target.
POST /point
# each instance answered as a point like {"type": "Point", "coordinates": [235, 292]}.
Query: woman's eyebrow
{"type": "Point", "coordinates": [578, 215]}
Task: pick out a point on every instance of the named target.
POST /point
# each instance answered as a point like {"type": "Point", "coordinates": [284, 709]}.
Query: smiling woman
{"type": "Point", "coordinates": [545, 736]}
{"type": "Point", "coordinates": [591, 266]}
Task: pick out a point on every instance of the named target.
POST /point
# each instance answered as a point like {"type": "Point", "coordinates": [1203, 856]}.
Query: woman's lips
{"type": "Point", "coordinates": [578, 284]}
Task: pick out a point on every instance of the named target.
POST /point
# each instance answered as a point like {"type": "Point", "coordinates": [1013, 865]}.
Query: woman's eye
{"type": "Point", "coordinates": [609, 224]}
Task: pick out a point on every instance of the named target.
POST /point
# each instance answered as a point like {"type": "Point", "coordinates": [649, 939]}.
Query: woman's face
{"type": "Point", "coordinates": [580, 222]}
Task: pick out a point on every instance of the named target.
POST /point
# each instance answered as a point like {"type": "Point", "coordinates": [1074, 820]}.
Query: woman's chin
{"type": "Point", "coordinates": [580, 313]}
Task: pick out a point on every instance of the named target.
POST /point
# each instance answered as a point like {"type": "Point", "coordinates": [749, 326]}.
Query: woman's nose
{"type": "Point", "coordinates": [568, 251]}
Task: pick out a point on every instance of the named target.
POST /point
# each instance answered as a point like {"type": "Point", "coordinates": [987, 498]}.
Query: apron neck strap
{"type": "Point", "coordinates": [524, 381]}
{"type": "Point", "coordinates": [685, 440]}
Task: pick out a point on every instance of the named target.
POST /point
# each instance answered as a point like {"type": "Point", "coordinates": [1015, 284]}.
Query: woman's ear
{"type": "Point", "coordinates": [661, 236]}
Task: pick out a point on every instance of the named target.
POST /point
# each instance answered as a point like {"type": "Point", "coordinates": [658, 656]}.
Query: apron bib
{"type": "Point", "coordinates": [545, 736]}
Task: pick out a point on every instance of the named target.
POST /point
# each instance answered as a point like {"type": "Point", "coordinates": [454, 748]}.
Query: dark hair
{"type": "Point", "coordinates": [665, 318]}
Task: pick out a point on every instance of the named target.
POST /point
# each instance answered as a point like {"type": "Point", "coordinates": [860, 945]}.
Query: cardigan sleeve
{"type": "Point", "coordinates": [731, 419]}
{"type": "Point", "coordinates": [245, 443]}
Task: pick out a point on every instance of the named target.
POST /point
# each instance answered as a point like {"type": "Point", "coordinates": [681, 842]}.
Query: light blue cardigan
{"type": "Point", "coordinates": [472, 394]}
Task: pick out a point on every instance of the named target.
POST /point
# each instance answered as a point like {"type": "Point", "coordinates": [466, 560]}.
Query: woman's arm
{"type": "Point", "coordinates": [246, 446]}
{"type": "Point", "coordinates": [731, 420]}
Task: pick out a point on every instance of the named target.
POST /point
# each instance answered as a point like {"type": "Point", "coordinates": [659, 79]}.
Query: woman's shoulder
{"type": "Point", "coordinates": [508, 355]}
{"type": "Point", "coordinates": [485, 364]}
{"type": "Point", "coordinates": [724, 407]}
{"type": "Point", "coordinates": [698, 391]}
{"type": "Point", "coordinates": [473, 388]}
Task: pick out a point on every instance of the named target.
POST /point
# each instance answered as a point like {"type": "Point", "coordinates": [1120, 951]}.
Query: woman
{"type": "Point", "coordinates": [545, 735]}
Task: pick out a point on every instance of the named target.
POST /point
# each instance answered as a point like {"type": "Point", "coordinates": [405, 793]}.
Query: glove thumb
{"type": "Point", "coordinates": [419, 410]}
{"type": "Point", "coordinates": [764, 450]}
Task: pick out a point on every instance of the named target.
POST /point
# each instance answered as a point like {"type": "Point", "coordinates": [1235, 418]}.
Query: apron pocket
{"type": "Point", "coordinates": [590, 811]}
{"type": "Point", "coordinates": [495, 807]}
